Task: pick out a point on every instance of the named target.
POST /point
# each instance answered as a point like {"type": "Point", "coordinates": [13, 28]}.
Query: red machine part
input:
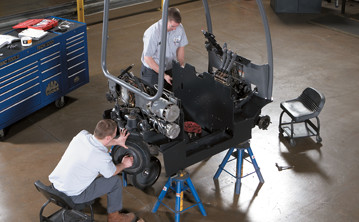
{"type": "Point", "coordinates": [192, 127]}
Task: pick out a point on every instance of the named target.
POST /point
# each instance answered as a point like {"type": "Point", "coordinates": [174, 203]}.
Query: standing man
{"type": "Point", "coordinates": [77, 173]}
{"type": "Point", "coordinates": [176, 41]}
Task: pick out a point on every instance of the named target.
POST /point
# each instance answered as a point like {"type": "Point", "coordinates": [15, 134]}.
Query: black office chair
{"type": "Point", "coordinates": [69, 210]}
{"type": "Point", "coordinates": [301, 110]}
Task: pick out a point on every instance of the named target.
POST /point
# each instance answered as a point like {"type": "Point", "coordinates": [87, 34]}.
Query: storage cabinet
{"type": "Point", "coordinates": [32, 77]}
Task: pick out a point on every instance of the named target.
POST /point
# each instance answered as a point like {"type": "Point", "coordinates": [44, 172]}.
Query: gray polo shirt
{"type": "Point", "coordinates": [152, 43]}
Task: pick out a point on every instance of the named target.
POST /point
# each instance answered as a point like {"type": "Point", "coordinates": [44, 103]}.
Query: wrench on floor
{"type": "Point", "coordinates": [280, 168]}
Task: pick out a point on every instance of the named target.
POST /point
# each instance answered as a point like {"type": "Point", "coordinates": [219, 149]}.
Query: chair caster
{"type": "Point", "coordinates": [2, 134]}
{"type": "Point", "coordinates": [60, 102]}
{"type": "Point", "coordinates": [319, 139]}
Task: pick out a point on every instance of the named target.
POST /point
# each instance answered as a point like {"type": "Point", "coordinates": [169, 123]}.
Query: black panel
{"type": "Point", "coordinates": [204, 100]}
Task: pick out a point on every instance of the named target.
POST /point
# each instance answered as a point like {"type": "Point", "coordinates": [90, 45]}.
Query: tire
{"type": "Point", "coordinates": [138, 150]}
{"type": "Point", "coordinates": [148, 176]}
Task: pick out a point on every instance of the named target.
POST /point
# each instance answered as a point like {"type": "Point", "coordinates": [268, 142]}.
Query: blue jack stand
{"type": "Point", "coordinates": [124, 179]}
{"type": "Point", "coordinates": [240, 156]}
{"type": "Point", "coordinates": [179, 183]}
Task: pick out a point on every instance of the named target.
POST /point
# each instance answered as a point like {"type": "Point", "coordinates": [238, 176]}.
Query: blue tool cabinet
{"type": "Point", "coordinates": [34, 76]}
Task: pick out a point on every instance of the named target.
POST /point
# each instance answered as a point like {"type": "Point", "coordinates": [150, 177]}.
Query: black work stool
{"type": "Point", "coordinates": [301, 110]}
{"type": "Point", "coordinates": [242, 152]}
{"type": "Point", "coordinates": [69, 210]}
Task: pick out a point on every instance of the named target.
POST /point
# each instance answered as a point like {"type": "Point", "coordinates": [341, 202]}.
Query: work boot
{"type": "Point", "coordinates": [121, 217]}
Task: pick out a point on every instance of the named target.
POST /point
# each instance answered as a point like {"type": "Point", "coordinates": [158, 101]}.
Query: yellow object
{"type": "Point", "coordinates": [80, 11]}
{"type": "Point", "coordinates": [161, 5]}
{"type": "Point", "coordinates": [181, 203]}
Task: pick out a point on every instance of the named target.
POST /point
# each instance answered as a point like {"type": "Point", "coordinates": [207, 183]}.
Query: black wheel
{"type": "Point", "coordinates": [138, 150]}
{"type": "Point", "coordinates": [60, 102]}
{"type": "Point", "coordinates": [2, 133]}
{"type": "Point", "coordinates": [148, 176]}
{"type": "Point", "coordinates": [319, 139]}
{"type": "Point", "coordinates": [264, 122]}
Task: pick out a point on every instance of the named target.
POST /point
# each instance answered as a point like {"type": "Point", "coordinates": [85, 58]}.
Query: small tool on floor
{"type": "Point", "coordinates": [280, 168]}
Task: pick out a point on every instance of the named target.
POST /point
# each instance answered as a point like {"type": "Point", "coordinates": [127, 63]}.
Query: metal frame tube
{"type": "Point", "coordinates": [162, 54]}
{"type": "Point", "coordinates": [208, 16]}
{"type": "Point", "coordinates": [269, 47]}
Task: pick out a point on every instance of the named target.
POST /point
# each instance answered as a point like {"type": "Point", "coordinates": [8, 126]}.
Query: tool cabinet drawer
{"type": "Point", "coordinates": [50, 58]}
{"type": "Point", "coordinates": [77, 56]}
{"type": "Point", "coordinates": [11, 97]}
{"type": "Point", "coordinates": [17, 69]}
{"type": "Point", "coordinates": [12, 89]}
{"type": "Point", "coordinates": [77, 78]}
{"type": "Point", "coordinates": [7, 84]}
{"type": "Point", "coordinates": [76, 52]}
{"type": "Point", "coordinates": [26, 101]}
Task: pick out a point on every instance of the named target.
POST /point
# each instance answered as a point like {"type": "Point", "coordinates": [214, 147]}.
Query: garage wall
{"type": "Point", "coordinates": [13, 7]}
{"type": "Point", "coordinates": [15, 11]}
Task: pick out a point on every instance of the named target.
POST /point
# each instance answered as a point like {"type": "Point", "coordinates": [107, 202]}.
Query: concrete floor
{"type": "Point", "coordinates": [322, 186]}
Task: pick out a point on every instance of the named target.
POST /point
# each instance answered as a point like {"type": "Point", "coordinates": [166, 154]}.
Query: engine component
{"type": "Point", "coordinates": [164, 109]}
{"type": "Point", "coordinates": [229, 57]}
{"type": "Point", "coordinates": [192, 127]}
{"type": "Point", "coordinates": [230, 66]}
{"type": "Point", "coordinates": [117, 92]}
{"type": "Point", "coordinates": [131, 121]}
{"type": "Point", "coordinates": [125, 96]}
{"type": "Point", "coordinates": [211, 42]}
{"type": "Point", "coordinates": [111, 95]}
{"type": "Point", "coordinates": [224, 59]}
{"type": "Point", "coordinates": [170, 130]}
